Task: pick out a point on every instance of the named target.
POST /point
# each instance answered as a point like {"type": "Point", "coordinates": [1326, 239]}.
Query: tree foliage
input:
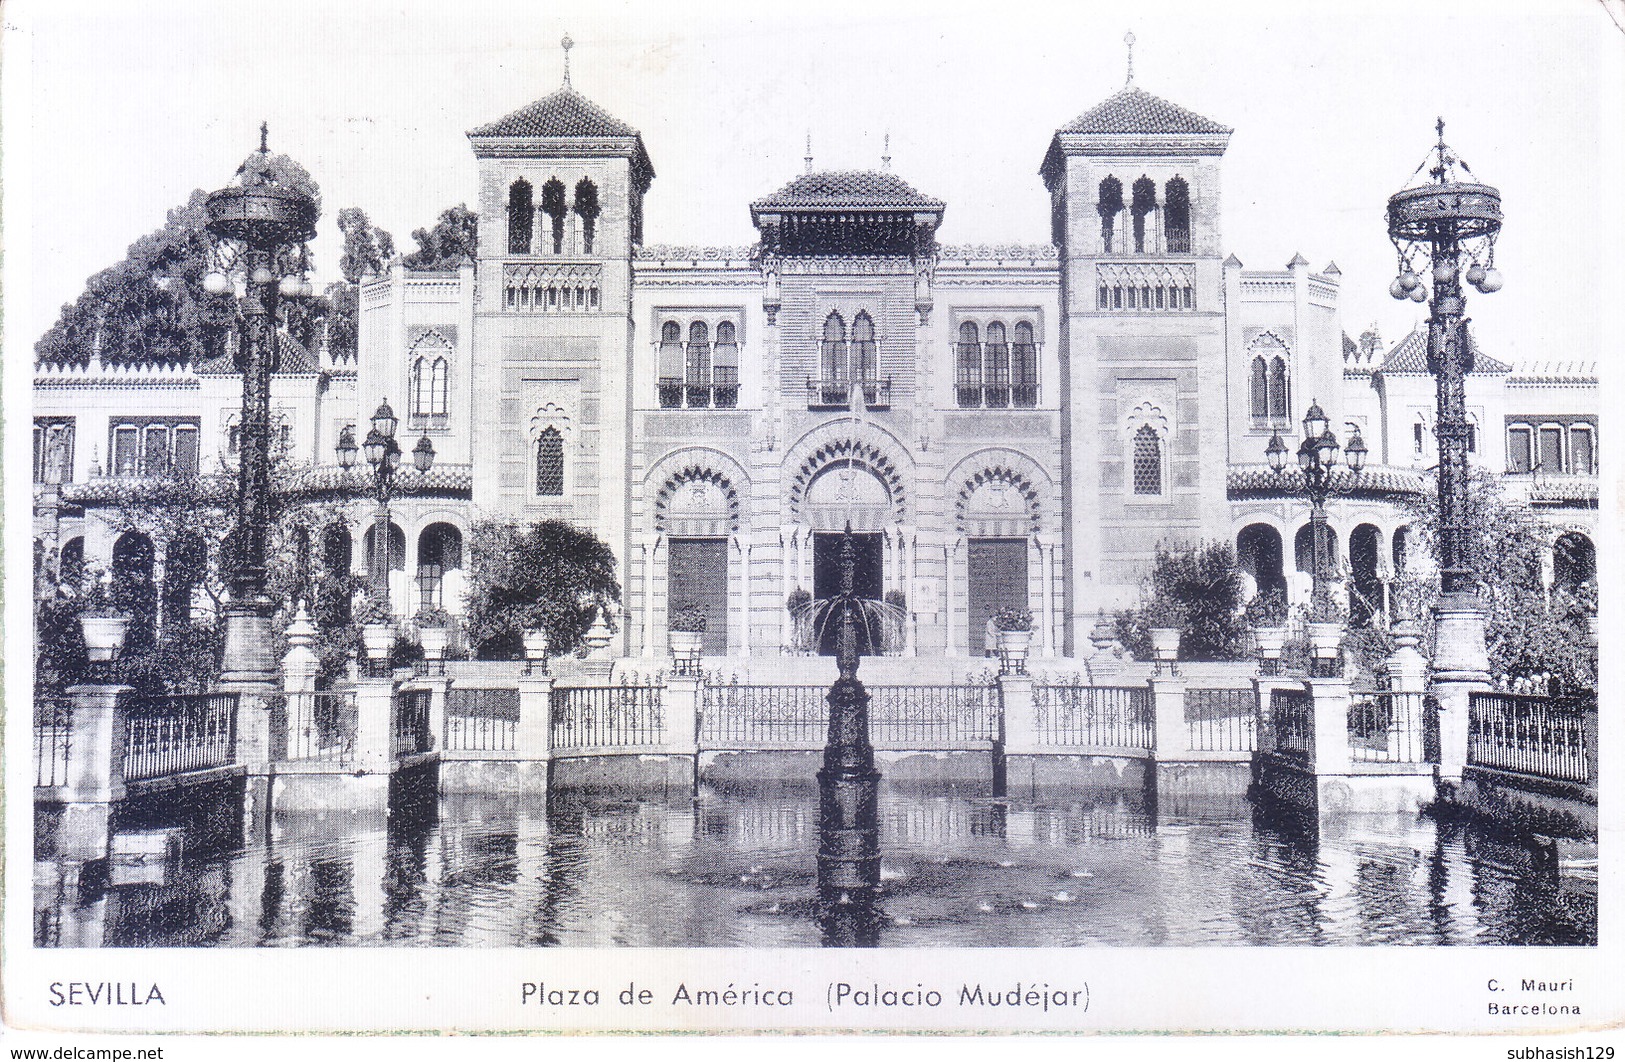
{"type": "Point", "coordinates": [452, 241]}
{"type": "Point", "coordinates": [367, 248]}
{"type": "Point", "coordinates": [1197, 589]}
{"type": "Point", "coordinates": [551, 576]}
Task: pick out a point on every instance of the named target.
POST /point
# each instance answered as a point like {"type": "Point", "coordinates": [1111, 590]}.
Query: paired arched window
{"type": "Point", "coordinates": [550, 463]}
{"type": "Point", "coordinates": [430, 385]}
{"type": "Point", "coordinates": [1175, 221]}
{"type": "Point", "coordinates": [1268, 385]}
{"type": "Point", "coordinates": [991, 371]}
{"type": "Point", "coordinates": [1147, 461]}
{"type": "Point", "coordinates": [848, 368]}
{"type": "Point", "coordinates": [702, 372]}
{"type": "Point", "coordinates": [521, 217]}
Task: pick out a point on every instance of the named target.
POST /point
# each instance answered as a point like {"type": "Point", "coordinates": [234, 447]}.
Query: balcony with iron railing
{"type": "Point", "coordinates": [845, 394]}
{"type": "Point", "coordinates": [695, 393]}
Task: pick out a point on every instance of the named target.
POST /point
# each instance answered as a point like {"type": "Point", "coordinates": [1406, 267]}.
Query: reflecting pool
{"type": "Point", "coordinates": [731, 868]}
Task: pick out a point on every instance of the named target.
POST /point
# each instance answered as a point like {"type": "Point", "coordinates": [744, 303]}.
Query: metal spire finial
{"type": "Point", "coordinates": [265, 131]}
{"type": "Point", "coordinates": [1128, 39]}
{"type": "Point", "coordinates": [885, 153]}
{"type": "Point", "coordinates": [566, 43]}
{"type": "Point", "coordinates": [809, 151]}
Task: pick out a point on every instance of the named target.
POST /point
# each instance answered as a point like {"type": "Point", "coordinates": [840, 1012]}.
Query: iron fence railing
{"type": "Point", "coordinates": [181, 732]}
{"type": "Point", "coordinates": [1530, 734]}
{"type": "Point", "coordinates": [1222, 720]}
{"type": "Point", "coordinates": [628, 714]}
{"type": "Point", "coordinates": [409, 730]}
{"type": "Point", "coordinates": [322, 726]}
{"type": "Point", "coordinates": [1292, 722]}
{"type": "Point", "coordinates": [53, 739]}
{"type": "Point", "coordinates": [927, 716]}
{"type": "Point", "coordinates": [743, 716]}
{"type": "Point", "coordinates": [1387, 727]}
{"type": "Point", "coordinates": [1073, 714]}
{"type": "Point", "coordinates": [481, 720]}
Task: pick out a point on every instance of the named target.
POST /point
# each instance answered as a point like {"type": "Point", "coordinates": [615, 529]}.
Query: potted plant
{"type": "Point", "coordinates": [1266, 615]}
{"type": "Point", "coordinates": [434, 626]}
{"type": "Point", "coordinates": [799, 603]}
{"type": "Point", "coordinates": [1014, 627]}
{"type": "Point", "coordinates": [377, 625]}
{"type": "Point", "coordinates": [536, 645]}
{"type": "Point", "coordinates": [894, 623]}
{"type": "Point", "coordinates": [1325, 626]}
{"type": "Point", "coordinates": [103, 623]}
{"type": "Point", "coordinates": [686, 632]}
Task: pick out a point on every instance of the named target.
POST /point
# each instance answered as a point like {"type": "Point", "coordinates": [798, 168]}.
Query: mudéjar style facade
{"type": "Point", "coordinates": [1000, 425]}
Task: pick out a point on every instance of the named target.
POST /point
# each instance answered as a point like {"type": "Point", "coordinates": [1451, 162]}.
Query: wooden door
{"type": "Point", "coordinates": [997, 571]}
{"type": "Point", "coordinates": [697, 574]}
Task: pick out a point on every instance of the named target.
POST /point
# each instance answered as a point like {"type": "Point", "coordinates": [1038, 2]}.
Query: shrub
{"type": "Point", "coordinates": [798, 600]}
{"type": "Point", "coordinates": [1267, 609]}
{"type": "Point", "coordinates": [688, 618]}
{"type": "Point", "coordinates": [1197, 589]}
{"type": "Point", "coordinates": [1013, 619]}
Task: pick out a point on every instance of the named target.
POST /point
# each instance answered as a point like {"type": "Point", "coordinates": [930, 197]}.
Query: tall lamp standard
{"type": "Point", "coordinates": [260, 228]}
{"type": "Point", "coordinates": [1447, 228]}
{"type": "Point", "coordinates": [1317, 459]}
{"type": "Point", "coordinates": [383, 453]}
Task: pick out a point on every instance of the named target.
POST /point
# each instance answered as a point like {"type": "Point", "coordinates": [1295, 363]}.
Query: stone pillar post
{"type": "Point", "coordinates": [1168, 706]}
{"type": "Point", "coordinates": [299, 666]}
{"type": "Point", "coordinates": [1460, 666]}
{"type": "Point", "coordinates": [533, 737]}
{"type": "Point", "coordinates": [1331, 703]}
{"type": "Point", "coordinates": [1021, 735]}
{"type": "Point", "coordinates": [439, 687]}
{"type": "Point", "coordinates": [1263, 686]}
{"type": "Point", "coordinates": [680, 704]}
{"type": "Point", "coordinates": [375, 718]}
{"type": "Point", "coordinates": [95, 771]}
{"type": "Point", "coordinates": [1405, 672]}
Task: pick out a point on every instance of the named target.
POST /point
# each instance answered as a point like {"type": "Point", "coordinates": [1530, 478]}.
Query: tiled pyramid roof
{"type": "Point", "coordinates": [292, 360]}
{"type": "Point", "coordinates": [1411, 355]}
{"type": "Point", "coordinates": [564, 113]}
{"type": "Point", "coordinates": [853, 189]}
{"type": "Point", "coordinates": [1134, 110]}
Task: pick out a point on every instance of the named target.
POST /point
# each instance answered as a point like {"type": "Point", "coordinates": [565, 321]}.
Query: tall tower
{"type": "Point", "coordinates": [561, 209]}
{"type": "Point", "coordinates": [1134, 192]}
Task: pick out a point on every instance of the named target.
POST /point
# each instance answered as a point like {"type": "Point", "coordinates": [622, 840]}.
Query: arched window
{"type": "Point", "coordinates": [1176, 216]}
{"type": "Point", "coordinates": [996, 367]}
{"type": "Point", "coordinates": [698, 374]}
{"type": "Point", "coordinates": [553, 206]}
{"type": "Point", "coordinates": [1024, 367]}
{"type": "Point", "coordinates": [1109, 206]}
{"type": "Point", "coordinates": [431, 385]}
{"type": "Point", "coordinates": [725, 367]}
{"type": "Point", "coordinates": [1280, 401]}
{"type": "Point", "coordinates": [521, 217]}
{"type": "Point", "coordinates": [550, 463]}
{"type": "Point", "coordinates": [968, 374]}
{"type": "Point", "coordinates": [440, 550]}
{"type": "Point", "coordinates": [586, 206]}
{"type": "Point", "coordinates": [671, 365]}
{"type": "Point", "coordinates": [1147, 461]}
{"type": "Point", "coordinates": [1144, 202]}
{"type": "Point", "coordinates": [864, 359]}
{"type": "Point", "coordinates": [834, 362]}
{"type": "Point", "coordinates": [1260, 389]}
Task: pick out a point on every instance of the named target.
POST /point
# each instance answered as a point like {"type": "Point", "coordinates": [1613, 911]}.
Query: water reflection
{"type": "Point", "coordinates": [737, 869]}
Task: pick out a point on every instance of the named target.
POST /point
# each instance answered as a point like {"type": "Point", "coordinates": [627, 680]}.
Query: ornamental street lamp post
{"type": "Point", "coordinates": [1317, 460]}
{"type": "Point", "coordinates": [383, 453]}
{"type": "Point", "coordinates": [1447, 228]}
{"type": "Point", "coordinates": [260, 227]}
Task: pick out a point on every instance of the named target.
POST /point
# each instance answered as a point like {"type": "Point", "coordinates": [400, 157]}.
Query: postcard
{"type": "Point", "coordinates": [883, 518]}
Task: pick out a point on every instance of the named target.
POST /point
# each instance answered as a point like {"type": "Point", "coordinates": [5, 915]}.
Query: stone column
{"type": "Point", "coordinates": [1168, 708]}
{"type": "Point", "coordinates": [1406, 673]}
{"type": "Point", "coordinates": [375, 717]}
{"type": "Point", "coordinates": [95, 771]}
{"type": "Point", "coordinates": [1331, 704]}
{"type": "Point", "coordinates": [533, 737]}
{"type": "Point", "coordinates": [1021, 736]}
{"type": "Point", "coordinates": [1263, 686]}
{"type": "Point", "coordinates": [439, 687]}
{"type": "Point", "coordinates": [1046, 563]}
{"type": "Point", "coordinates": [680, 705]}
{"type": "Point", "coordinates": [1460, 666]}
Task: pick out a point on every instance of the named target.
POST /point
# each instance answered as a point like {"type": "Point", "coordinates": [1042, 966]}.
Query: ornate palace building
{"type": "Point", "coordinates": [1000, 425]}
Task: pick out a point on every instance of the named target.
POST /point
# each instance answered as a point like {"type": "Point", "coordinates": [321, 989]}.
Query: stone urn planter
{"type": "Point", "coordinates": [1014, 646]}
{"type": "Point", "coordinates": [434, 641]}
{"type": "Point", "coordinates": [379, 639]}
{"type": "Point", "coordinates": [1165, 644]}
{"type": "Point", "coordinates": [1324, 640]}
{"type": "Point", "coordinates": [685, 647]}
{"type": "Point", "coordinates": [104, 635]}
{"type": "Point", "coordinates": [536, 646]}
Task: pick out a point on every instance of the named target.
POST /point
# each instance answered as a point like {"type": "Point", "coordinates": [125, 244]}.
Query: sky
{"type": "Point", "coordinates": [115, 113]}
